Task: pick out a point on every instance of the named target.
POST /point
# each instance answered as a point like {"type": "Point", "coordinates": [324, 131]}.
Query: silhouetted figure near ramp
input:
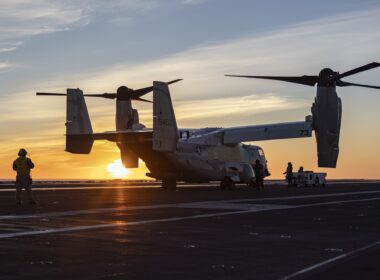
{"type": "Point", "coordinates": [289, 174]}
{"type": "Point", "coordinates": [259, 174]}
{"type": "Point", "coordinates": [22, 165]}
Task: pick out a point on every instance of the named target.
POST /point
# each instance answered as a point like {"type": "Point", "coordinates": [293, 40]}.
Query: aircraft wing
{"type": "Point", "coordinates": [267, 132]}
{"type": "Point", "coordinates": [253, 133]}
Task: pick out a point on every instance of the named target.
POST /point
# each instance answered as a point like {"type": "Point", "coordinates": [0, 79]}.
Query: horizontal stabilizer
{"type": "Point", "coordinates": [127, 136]}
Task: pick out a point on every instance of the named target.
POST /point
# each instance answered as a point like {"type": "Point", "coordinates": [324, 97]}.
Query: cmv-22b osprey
{"type": "Point", "coordinates": [208, 154]}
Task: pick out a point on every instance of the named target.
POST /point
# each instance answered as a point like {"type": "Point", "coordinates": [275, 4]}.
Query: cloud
{"type": "Point", "coordinates": [4, 66]}
{"type": "Point", "coordinates": [231, 111]}
{"type": "Point", "coordinates": [9, 49]}
{"type": "Point", "coordinates": [193, 2]}
{"type": "Point", "coordinates": [22, 19]}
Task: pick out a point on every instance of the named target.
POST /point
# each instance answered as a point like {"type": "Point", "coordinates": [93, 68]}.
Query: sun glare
{"type": "Point", "coordinates": [117, 170]}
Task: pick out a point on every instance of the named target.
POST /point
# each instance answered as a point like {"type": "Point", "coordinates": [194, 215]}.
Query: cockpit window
{"type": "Point", "coordinates": [261, 152]}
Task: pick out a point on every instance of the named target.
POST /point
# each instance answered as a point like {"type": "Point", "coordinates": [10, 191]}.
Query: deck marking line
{"type": "Point", "coordinates": [335, 202]}
{"type": "Point", "coordinates": [293, 197]}
{"type": "Point", "coordinates": [119, 224]}
{"type": "Point", "coordinates": [334, 259]}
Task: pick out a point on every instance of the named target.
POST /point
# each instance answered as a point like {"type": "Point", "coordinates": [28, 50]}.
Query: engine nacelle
{"type": "Point", "coordinates": [327, 116]}
{"type": "Point", "coordinates": [124, 115]}
{"type": "Point", "coordinates": [128, 158]}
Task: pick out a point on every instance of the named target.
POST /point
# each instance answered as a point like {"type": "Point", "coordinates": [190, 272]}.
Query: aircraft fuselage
{"type": "Point", "coordinates": [201, 163]}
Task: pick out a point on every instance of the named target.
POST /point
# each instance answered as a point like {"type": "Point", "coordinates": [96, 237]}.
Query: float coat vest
{"type": "Point", "coordinates": [22, 166]}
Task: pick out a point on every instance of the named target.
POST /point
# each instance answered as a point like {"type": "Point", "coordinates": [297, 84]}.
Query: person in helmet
{"type": "Point", "coordinates": [22, 165]}
{"type": "Point", "coordinates": [259, 174]}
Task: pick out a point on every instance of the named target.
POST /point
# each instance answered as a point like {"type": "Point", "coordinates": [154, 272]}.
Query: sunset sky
{"type": "Point", "coordinates": [99, 45]}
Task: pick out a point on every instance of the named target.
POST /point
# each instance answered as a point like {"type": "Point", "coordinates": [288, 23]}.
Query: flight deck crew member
{"type": "Point", "coordinates": [22, 165]}
{"type": "Point", "coordinates": [289, 174]}
{"type": "Point", "coordinates": [259, 174]}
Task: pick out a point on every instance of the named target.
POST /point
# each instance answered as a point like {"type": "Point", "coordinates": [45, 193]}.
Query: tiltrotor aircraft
{"type": "Point", "coordinates": [207, 154]}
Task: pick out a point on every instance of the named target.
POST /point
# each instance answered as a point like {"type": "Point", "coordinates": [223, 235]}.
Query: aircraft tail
{"type": "Point", "coordinates": [165, 131]}
{"type": "Point", "coordinates": [79, 138]}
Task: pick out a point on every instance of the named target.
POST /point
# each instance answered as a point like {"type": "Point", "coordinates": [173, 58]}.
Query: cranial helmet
{"type": "Point", "coordinates": [22, 153]}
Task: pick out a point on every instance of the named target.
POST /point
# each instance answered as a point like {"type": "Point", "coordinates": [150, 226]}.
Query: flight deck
{"type": "Point", "coordinates": [113, 231]}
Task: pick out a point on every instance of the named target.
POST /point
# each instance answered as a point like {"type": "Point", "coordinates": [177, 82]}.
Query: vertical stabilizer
{"type": "Point", "coordinates": [165, 132]}
{"type": "Point", "coordinates": [78, 125]}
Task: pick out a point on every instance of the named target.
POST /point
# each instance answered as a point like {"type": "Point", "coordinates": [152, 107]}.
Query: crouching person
{"type": "Point", "coordinates": [22, 165]}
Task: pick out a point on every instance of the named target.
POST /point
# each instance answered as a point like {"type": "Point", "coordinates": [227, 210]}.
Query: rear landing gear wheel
{"type": "Point", "coordinates": [169, 183]}
{"type": "Point", "coordinates": [227, 184]}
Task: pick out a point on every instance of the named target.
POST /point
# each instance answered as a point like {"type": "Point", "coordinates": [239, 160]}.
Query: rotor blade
{"type": "Point", "coordinates": [143, 100]}
{"type": "Point", "coordinates": [303, 80]}
{"type": "Point", "coordinates": [346, 84]}
{"type": "Point", "coordinates": [174, 81]}
{"type": "Point", "coordinates": [104, 95]}
{"type": "Point", "coordinates": [140, 92]}
{"type": "Point", "coordinates": [357, 70]}
{"type": "Point", "coordinates": [50, 94]}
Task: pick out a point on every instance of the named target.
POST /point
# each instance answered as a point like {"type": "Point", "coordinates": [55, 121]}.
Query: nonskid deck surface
{"type": "Point", "coordinates": [196, 232]}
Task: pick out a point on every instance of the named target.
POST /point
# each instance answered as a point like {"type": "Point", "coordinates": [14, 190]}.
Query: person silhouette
{"type": "Point", "coordinates": [22, 165]}
{"type": "Point", "coordinates": [289, 174]}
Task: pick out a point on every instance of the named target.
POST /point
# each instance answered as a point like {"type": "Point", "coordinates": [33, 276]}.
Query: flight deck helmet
{"type": "Point", "coordinates": [22, 152]}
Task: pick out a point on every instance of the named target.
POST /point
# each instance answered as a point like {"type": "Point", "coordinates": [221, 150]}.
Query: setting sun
{"type": "Point", "coordinates": [117, 170]}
